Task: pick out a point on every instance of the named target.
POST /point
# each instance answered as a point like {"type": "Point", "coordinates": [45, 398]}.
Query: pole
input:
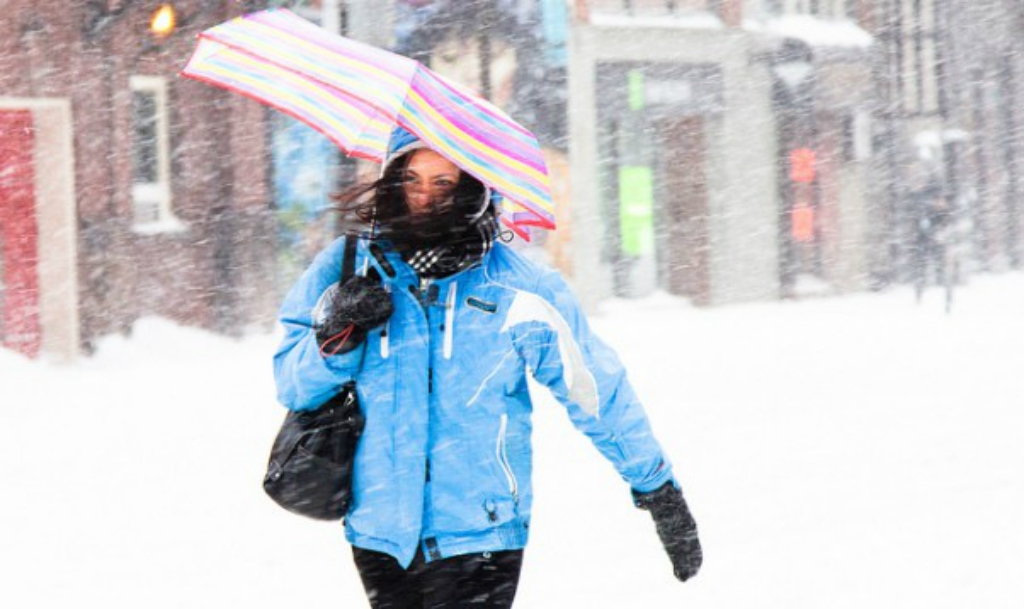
{"type": "Point", "coordinates": [485, 50]}
{"type": "Point", "coordinates": [330, 16]}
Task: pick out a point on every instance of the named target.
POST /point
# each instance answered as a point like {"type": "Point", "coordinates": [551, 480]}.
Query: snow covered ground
{"type": "Point", "coordinates": [856, 452]}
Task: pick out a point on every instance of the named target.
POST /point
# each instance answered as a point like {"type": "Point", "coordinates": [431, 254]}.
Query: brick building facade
{"type": "Point", "coordinates": [169, 178]}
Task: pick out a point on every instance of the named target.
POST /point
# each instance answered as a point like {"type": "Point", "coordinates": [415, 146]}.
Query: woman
{"type": "Point", "coordinates": [439, 334]}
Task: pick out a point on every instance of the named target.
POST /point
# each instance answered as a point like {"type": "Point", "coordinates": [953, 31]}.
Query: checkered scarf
{"type": "Point", "coordinates": [458, 254]}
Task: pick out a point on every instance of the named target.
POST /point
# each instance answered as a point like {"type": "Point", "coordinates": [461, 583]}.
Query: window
{"type": "Point", "coordinates": [796, 6]}
{"type": "Point", "coordinates": [151, 188]}
{"type": "Point", "coordinates": [826, 9]}
{"type": "Point", "coordinates": [852, 10]}
{"type": "Point", "coordinates": [856, 136]}
{"type": "Point", "coordinates": [649, 7]}
{"type": "Point", "coordinates": [920, 62]}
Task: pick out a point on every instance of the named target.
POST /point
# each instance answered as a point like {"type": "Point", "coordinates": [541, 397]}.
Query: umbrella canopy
{"type": "Point", "coordinates": [357, 95]}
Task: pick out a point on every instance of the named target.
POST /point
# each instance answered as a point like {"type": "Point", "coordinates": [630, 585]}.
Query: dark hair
{"type": "Point", "coordinates": [377, 201]}
{"type": "Point", "coordinates": [380, 210]}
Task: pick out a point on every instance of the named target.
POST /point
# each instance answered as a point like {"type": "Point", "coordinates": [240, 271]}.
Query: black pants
{"type": "Point", "coordinates": [487, 580]}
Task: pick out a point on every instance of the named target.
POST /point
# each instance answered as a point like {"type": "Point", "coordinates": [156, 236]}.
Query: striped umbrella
{"type": "Point", "coordinates": [356, 95]}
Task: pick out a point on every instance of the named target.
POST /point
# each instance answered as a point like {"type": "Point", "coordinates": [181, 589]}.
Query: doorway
{"type": "Point", "coordinates": [683, 244]}
{"type": "Point", "coordinates": [39, 301]}
{"type": "Point", "coordinates": [19, 234]}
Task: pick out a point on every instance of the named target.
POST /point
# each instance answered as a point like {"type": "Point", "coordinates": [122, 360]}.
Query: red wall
{"type": "Point", "coordinates": [19, 302]}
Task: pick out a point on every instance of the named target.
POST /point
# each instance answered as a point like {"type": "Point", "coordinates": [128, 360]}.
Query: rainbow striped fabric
{"type": "Point", "coordinates": [356, 94]}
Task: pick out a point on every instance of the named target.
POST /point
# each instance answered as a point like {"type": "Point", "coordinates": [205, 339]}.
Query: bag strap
{"type": "Point", "coordinates": [348, 260]}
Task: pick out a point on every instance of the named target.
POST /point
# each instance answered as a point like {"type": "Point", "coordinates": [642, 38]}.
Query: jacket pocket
{"type": "Point", "coordinates": [501, 453]}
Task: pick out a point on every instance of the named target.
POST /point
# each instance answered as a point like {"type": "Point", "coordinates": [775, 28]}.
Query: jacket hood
{"type": "Point", "coordinates": [401, 142]}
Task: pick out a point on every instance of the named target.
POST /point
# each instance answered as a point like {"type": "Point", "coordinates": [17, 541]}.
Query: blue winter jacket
{"type": "Point", "coordinates": [444, 463]}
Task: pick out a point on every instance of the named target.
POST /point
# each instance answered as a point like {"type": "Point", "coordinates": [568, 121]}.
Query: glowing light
{"type": "Point", "coordinates": [163, 21]}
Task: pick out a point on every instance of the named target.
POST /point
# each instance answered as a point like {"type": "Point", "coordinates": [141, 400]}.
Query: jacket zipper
{"type": "Point", "coordinates": [385, 348]}
{"type": "Point", "coordinates": [506, 466]}
{"type": "Point", "coordinates": [423, 296]}
{"type": "Point", "coordinates": [423, 293]}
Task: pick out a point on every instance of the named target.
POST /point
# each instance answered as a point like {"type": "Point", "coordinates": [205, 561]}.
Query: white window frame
{"type": "Point", "coordinates": [824, 9]}
{"type": "Point", "coordinates": [919, 72]}
{"type": "Point", "coordinates": [151, 201]}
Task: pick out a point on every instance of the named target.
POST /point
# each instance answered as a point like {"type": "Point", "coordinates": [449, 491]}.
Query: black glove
{"type": "Point", "coordinates": [361, 303]}
{"type": "Point", "coordinates": [676, 528]}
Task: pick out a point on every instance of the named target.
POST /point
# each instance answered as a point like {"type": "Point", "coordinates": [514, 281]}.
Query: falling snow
{"type": "Point", "coordinates": [855, 452]}
{"type": "Point", "coordinates": [798, 222]}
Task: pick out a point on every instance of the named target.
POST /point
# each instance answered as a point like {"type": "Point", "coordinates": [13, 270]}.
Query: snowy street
{"type": "Point", "coordinates": [859, 452]}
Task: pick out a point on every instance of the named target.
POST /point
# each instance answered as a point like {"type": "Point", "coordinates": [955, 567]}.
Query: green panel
{"type": "Point", "coordinates": [636, 90]}
{"type": "Point", "coordinates": [636, 209]}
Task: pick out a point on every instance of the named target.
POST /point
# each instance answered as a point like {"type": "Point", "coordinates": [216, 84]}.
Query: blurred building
{"type": "Point", "coordinates": [125, 190]}
{"type": "Point", "coordinates": [720, 148]}
{"type": "Point", "coordinates": [950, 93]}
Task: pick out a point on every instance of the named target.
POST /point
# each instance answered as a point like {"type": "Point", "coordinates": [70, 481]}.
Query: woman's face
{"type": "Point", "coordinates": [429, 179]}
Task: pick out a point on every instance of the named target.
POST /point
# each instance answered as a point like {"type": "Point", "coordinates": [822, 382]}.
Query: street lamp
{"type": "Point", "coordinates": [163, 21]}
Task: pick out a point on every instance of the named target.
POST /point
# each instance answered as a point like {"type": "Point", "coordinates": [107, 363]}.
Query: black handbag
{"type": "Point", "coordinates": [310, 468]}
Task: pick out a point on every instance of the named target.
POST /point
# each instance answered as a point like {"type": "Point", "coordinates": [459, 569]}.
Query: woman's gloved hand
{"type": "Point", "coordinates": [356, 307]}
{"type": "Point", "coordinates": [676, 528]}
